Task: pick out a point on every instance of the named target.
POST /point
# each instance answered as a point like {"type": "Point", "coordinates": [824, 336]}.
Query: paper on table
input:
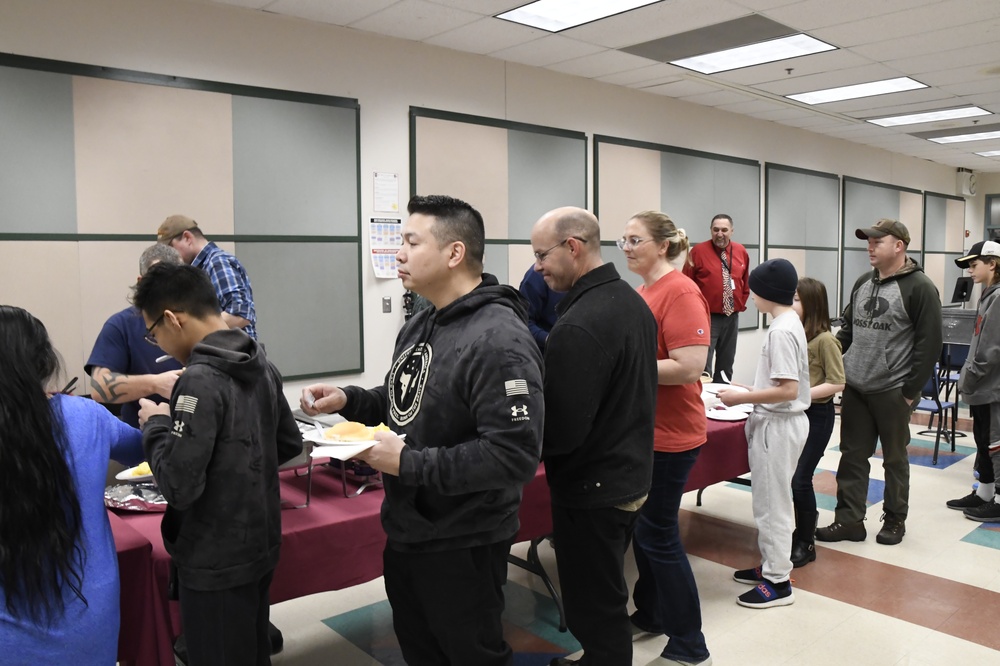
{"type": "Point", "coordinates": [341, 451]}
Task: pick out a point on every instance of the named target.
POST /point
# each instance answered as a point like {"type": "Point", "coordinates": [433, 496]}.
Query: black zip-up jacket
{"type": "Point", "coordinates": [215, 459]}
{"type": "Point", "coordinates": [465, 387]}
{"type": "Point", "coordinates": [600, 394]}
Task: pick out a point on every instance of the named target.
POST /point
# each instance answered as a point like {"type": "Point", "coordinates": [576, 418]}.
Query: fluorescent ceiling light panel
{"type": "Point", "coordinates": [870, 89]}
{"type": "Point", "coordinates": [772, 50]}
{"type": "Point", "coordinates": [990, 153]}
{"type": "Point", "coordinates": [959, 138]}
{"type": "Point", "coordinates": [556, 15]}
{"type": "Point", "coordinates": [930, 116]}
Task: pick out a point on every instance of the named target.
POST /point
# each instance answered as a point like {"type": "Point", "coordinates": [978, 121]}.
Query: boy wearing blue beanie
{"type": "Point", "coordinates": [776, 432]}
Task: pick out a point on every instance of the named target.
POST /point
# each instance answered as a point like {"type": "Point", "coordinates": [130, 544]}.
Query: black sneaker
{"type": "Point", "coordinates": [842, 532]}
{"type": "Point", "coordinates": [767, 595]}
{"type": "Point", "coordinates": [970, 501]}
{"type": "Point", "coordinates": [989, 512]}
{"type": "Point", "coordinates": [892, 531]}
{"type": "Point", "coordinates": [749, 576]}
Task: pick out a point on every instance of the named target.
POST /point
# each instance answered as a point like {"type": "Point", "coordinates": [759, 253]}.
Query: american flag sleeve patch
{"type": "Point", "coordinates": [186, 403]}
{"type": "Point", "coordinates": [516, 387]}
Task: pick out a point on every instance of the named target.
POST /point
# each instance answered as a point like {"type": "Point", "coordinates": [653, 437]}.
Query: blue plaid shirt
{"type": "Point", "coordinates": [231, 283]}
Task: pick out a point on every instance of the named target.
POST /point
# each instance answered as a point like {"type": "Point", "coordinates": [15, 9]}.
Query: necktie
{"type": "Point", "coordinates": [727, 288]}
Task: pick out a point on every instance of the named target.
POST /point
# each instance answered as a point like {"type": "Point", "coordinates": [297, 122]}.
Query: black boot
{"type": "Point", "coordinates": [804, 538]}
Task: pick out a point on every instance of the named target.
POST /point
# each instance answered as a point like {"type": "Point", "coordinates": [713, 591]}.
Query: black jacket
{"type": "Point", "coordinates": [466, 388]}
{"type": "Point", "coordinates": [216, 460]}
{"type": "Point", "coordinates": [600, 394]}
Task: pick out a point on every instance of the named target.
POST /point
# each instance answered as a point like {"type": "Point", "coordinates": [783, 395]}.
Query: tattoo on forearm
{"type": "Point", "coordinates": [108, 385]}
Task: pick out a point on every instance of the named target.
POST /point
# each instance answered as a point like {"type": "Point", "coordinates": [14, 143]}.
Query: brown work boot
{"type": "Point", "coordinates": [837, 531]}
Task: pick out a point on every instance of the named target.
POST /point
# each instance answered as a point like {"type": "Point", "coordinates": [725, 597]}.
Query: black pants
{"type": "Point", "coordinates": [590, 556]}
{"type": "Point", "coordinates": [722, 346]}
{"type": "Point", "coordinates": [981, 426]}
{"type": "Point", "coordinates": [227, 627]}
{"type": "Point", "coordinates": [446, 606]}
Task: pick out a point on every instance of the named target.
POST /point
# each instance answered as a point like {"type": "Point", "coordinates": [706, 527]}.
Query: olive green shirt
{"type": "Point", "coordinates": [826, 362]}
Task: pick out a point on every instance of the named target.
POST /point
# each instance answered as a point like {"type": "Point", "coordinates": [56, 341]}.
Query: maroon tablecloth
{"type": "Point", "coordinates": [334, 543]}
{"type": "Point", "coordinates": [724, 456]}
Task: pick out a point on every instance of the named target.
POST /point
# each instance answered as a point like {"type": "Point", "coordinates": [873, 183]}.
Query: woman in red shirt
{"type": "Point", "coordinates": [665, 595]}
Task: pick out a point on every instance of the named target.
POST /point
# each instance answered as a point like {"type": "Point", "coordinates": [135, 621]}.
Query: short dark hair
{"type": "Point", "coordinates": [723, 216]}
{"type": "Point", "coordinates": [179, 288]}
{"type": "Point", "coordinates": [455, 221]}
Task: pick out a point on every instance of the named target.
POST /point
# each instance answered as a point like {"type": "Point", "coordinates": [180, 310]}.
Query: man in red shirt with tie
{"type": "Point", "coordinates": [719, 267]}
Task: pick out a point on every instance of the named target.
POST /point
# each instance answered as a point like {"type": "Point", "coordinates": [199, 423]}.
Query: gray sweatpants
{"type": "Point", "coordinates": [775, 442]}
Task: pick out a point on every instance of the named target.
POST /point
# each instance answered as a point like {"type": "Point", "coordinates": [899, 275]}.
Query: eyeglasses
{"type": "Point", "coordinates": [149, 337]}
{"type": "Point", "coordinates": [540, 256]}
{"type": "Point", "coordinates": [630, 242]}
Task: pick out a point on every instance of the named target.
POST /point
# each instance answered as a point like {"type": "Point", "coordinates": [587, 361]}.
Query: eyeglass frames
{"type": "Point", "coordinates": [540, 256]}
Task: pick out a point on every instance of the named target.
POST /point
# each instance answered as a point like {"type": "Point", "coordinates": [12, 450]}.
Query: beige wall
{"type": "Point", "coordinates": [230, 44]}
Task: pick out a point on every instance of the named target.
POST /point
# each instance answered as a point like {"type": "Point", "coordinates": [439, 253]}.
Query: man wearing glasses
{"type": "Point", "coordinates": [232, 286]}
{"type": "Point", "coordinates": [600, 398]}
{"type": "Point", "coordinates": [719, 267]}
{"type": "Point", "coordinates": [121, 366]}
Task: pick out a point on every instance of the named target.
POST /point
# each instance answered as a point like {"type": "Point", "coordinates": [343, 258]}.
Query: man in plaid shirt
{"type": "Point", "coordinates": [230, 280]}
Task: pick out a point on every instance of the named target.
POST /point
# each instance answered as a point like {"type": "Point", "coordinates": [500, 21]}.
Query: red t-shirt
{"type": "Point", "coordinates": [682, 320]}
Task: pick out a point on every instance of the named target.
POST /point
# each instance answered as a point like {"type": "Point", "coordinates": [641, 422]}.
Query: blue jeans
{"type": "Point", "coordinates": [821, 415]}
{"type": "Point", "coordinates": [666, 596]}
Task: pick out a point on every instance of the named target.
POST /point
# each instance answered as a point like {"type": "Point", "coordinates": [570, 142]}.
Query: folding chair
{"type": "Point", "coordinates": [930, 401]}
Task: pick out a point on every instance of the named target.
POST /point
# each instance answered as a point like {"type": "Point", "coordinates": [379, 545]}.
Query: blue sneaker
{"type": "Point", "coordinates": [766, 595]}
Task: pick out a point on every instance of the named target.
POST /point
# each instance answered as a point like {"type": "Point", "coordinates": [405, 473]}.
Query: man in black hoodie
{"type": "Point", "coordinates": [465, 387]}
{"type": "Point", "coordinates": [600, 401]}
{"type": "Point", "coordinates": [214, 451]}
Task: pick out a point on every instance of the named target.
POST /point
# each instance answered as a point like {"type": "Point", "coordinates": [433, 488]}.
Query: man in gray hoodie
{"type": "Point", "coordinates": [891, 339]}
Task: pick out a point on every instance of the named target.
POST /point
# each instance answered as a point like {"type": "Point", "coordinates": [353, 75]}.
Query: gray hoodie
{"type": "Point", "coordinates": [979, 382]}
{"type": "Point", "coordinates": [892, 331]}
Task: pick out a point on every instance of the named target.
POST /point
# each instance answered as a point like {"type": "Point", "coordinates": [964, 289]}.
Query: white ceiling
{"type": "Point", "coordinates": [953, 46]}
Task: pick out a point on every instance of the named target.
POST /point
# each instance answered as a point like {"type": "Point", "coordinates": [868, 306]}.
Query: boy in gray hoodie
{"type": "Point", "coordinates": [979, 383]}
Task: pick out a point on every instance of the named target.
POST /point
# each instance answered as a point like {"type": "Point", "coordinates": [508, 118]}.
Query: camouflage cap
{"type": "Point", "coordinates": [885, 227]}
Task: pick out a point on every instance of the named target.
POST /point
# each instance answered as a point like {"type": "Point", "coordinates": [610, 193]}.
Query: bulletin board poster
{"type": "Point", "coordinates": [385, 237]}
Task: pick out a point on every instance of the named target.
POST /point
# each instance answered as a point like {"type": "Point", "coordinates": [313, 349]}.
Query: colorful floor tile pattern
{"type": "Point", "coordinates": [531, 627]}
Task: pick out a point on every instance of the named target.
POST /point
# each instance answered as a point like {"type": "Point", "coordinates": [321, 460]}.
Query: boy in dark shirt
{"type": "Point", "coordinates": [215, 451]}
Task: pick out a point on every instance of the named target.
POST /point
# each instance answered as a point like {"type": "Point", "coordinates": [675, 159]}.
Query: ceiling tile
{"type": "Point", "coordinates": [871, 106]}
{"type": "Point", "coordinates": [816, 63]}
{"type": "Point", "coordinates": [683, 88]}
{"type": "Point", "coordinates": [338, 13]}
{"type": "Point", "coordinates": [753, 106]}
{"type": "Point", "coordinates": [984, 55]}
{"type": "Point", "coordinates": [415, 19]}
{"type": "Point", "coordinates": [882, 49]}
{"type": "Point", "coordinates": [915, 21]}
{"type": "Point", "coordinates": [781, 114]}
{"type": "Point", "coordinates": [658, 72]}
{"type": "Point", "coordinates": [830, 79]}
{"type": "Point", "coordinates": [970, 73]}
{"type": "Point", "coordinates": [717, 98]}
{"type": "Point", "coordinates": [485, 7]}
{"type": "Point", "coordinates": [486, 35]}
{"type": "Point", "coordinates": [249, 4]}
{"type": "Point", "coordinates": [600, 64]}
{"type": "Point", "coordinates": [655, 21]}
{"type": "Point", "coordinates": [813, 14]}
{"type": "Point", "coordinates": [546, 51]}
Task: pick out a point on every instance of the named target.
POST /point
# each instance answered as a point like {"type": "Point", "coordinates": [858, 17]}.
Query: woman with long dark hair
{"type": "Point", "coordinates": [59, 593]}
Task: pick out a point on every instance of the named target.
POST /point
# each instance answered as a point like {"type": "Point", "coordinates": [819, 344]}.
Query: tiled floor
{"type": "Point", "coordinates": [931, 600]}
